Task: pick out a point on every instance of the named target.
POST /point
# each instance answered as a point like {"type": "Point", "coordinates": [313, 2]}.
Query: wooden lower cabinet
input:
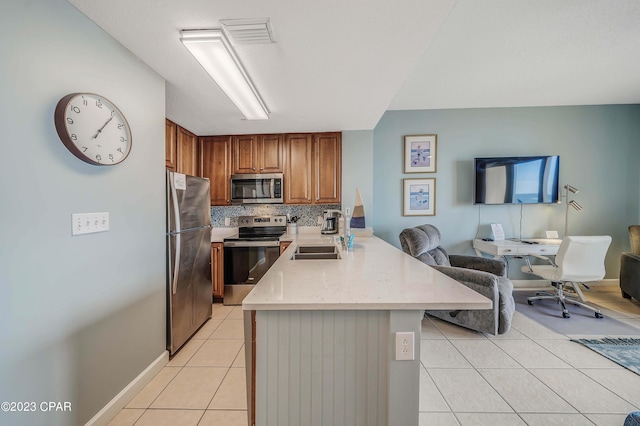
{"type": "Point", "coordinates": [217, 269]}
{"type": "Point", "coordinates": [284, 245]}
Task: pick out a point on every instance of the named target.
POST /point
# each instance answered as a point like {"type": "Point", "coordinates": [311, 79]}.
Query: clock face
{"type": "Point", "coordinates": [93, 129]}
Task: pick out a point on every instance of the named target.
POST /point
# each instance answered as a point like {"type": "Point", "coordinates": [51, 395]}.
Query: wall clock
{"type": "Point", "coordinates": [93, 129]}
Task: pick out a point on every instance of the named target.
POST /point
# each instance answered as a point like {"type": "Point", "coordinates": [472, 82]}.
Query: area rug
{"type": "Point", "coordinates": [581, 322]}
{"type": "Point", "coordinates": [625, 352]}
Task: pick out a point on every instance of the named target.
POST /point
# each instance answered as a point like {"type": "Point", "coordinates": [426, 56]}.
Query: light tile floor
{"type": "Point", "coordinates": [529, 376]}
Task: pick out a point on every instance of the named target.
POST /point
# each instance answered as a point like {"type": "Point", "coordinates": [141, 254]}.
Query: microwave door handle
{"type": "Point", "coordinates": [272, 188]}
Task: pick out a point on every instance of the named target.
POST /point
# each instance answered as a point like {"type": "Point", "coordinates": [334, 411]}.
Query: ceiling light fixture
{"type": "Point", "coordinates": [214, 52]}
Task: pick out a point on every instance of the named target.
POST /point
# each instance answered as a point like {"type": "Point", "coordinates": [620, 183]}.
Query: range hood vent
{"type": "Point", "coordinates": [248, 31]}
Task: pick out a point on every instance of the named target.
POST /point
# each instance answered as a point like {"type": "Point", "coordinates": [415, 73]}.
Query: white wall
{"type": "Point", "coordinates": [599, 147]}
{"type": "Point", "coordinates": [357, 171]}
{"type": "Point", "coordinates": [81, 316]}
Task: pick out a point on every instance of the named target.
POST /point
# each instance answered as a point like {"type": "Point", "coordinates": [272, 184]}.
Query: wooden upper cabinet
{"type": "Point", "coordinates": [327, 168]}
{"type": "Point", "coordinates": [270, 153]}
{"type": "Point", "coordinates": [257, 154]}
{"type": "Point", "coordinates": [215, 164]}
{"type": "Point", "coordinates": [170, 146]}
{"type": "Point", "coordinates": [297, 175]}
{"type": "Point", "coordinates": [181, 149]}
{"type": "Point", "coordinates": [187, 158]}
{"type": "Point", "coordinates": [245, 154]}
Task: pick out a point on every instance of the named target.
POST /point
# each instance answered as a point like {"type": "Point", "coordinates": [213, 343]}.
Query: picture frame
{"type": "Point", "coordinates": [420, 153]}
{"type": "Point", "coordinates": [419, 197]}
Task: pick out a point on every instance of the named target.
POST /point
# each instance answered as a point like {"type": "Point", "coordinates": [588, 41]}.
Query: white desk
{"type": "Point", "coordinates": [542, 246]}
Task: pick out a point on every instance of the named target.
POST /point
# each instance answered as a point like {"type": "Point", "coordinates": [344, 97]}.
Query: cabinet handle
{"type": "Point", "coordinates": [253, 168]}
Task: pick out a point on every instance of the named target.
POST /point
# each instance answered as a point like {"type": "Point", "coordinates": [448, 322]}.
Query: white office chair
{"type": "Point", "coordinates": [579, 260]}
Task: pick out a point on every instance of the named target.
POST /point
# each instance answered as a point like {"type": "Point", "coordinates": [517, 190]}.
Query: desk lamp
{"type": "Point", "coordinates": [573, 203]}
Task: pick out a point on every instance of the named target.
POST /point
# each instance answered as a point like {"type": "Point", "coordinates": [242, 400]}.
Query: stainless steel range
{"type": "Point", "coordinates": [249, 254]}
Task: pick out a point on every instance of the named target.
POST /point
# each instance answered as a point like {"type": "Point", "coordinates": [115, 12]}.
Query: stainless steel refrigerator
{"type": "Point", "coordinates": [189, 290]}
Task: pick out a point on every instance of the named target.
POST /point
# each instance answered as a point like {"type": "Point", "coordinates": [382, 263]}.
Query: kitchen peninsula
{"type": "Point", "coordinates": [321, 334]}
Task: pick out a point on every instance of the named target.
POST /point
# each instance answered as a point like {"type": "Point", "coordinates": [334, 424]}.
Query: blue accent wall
{"type": "Point", "coordinates": [599, 148]}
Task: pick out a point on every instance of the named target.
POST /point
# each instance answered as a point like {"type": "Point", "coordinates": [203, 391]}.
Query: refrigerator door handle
{"type": "Point", "coordinates": [176, 217]}
{"type": "Point", "coordinates": [176, 266]}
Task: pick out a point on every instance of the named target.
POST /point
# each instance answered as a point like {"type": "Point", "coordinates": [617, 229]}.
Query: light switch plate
{"type": "Point", "coordinates": [88, 223]}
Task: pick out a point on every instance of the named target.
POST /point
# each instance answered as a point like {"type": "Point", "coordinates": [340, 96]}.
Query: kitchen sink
{"type": "Point", "coordinates": [315, 252]}
{"type": "Point", "coordinates": [316, 249]}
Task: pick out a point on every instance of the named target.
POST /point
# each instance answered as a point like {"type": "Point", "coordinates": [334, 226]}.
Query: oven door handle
{"type": "Point", "coordinates": [251, 243]}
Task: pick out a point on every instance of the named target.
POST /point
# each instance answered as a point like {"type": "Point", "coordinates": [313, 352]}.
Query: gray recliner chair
{"type": "Point", "coordinates": [486, 276]}
{"type": "Point", "coordinates": [630, 266]}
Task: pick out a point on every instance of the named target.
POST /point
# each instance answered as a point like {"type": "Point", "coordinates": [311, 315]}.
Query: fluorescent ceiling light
{"type": "Point", "coordinates": [214, 52]}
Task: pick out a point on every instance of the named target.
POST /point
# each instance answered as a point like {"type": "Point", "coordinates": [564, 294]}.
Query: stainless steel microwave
{"type": "Point", "coordinates": [257, 189]}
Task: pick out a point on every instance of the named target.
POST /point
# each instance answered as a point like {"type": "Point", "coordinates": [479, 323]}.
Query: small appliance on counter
{"type": "Point", "coordinates": [330, 221]}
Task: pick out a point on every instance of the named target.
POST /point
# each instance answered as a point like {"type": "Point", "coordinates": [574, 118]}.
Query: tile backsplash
{"type": "Point", "coordinates": [308, 215]}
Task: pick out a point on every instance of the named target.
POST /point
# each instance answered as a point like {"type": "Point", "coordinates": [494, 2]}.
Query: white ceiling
{"type": "Point", "coordinates": [340, 64]}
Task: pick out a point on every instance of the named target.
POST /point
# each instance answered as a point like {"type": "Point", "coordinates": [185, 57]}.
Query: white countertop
{"type": "Point", "coordinates": [373, 276]}
{"type": "Point", "coordinates": [219, 234]}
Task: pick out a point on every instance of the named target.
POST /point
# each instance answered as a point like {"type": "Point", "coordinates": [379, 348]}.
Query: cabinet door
{"type": "Point", "coordinates": [215, 164]}
{"type": "Point", "coordinates": [187, 152]}
{"type": "Point", "coordinates": [284, 245]}
{"type": "Point", "coordinates": [245, 154]}
{"type": "Point", "coordinates": [217, 272]}
{"type": "Point", "coordinates": [297, 180]}
{"type": "Point", "coordinates": [327, 168]}
{"type": "Point", "coordinates": [170, 144]}
{"type": "Point", "coordinates": [270, 149]}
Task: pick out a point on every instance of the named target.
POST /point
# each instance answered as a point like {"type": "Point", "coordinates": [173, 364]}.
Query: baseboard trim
{"type": "Point", "coordinates": [113, 407]}
{"type": "Point", "coordinates": [541, 284]}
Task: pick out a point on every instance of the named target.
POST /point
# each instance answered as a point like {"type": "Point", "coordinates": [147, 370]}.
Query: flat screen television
{"type": "Point", "coordinates": [517, 180]}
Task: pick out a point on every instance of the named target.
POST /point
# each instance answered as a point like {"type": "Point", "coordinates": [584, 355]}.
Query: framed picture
{"type": "Point", "coordinates": [420, 153]}
{"type": "Point", "coordinates": [419, 197]}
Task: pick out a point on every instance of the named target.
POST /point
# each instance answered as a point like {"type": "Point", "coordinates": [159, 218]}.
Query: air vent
{"type": "Point", "coordinates": [248, 31]}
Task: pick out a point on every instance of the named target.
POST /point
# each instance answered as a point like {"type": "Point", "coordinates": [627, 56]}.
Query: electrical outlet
{"type": "Point", "coordinates": [88, 223]}
{"type": "Point", "coordinates": [227, 221]}
{"type": "Point", "coordinates": [320, 220]}
{"type": "Point", "coordinates": [404, 346]}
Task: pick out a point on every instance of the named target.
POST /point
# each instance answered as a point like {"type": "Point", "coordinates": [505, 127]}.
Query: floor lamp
{"type": "Point", "coordinates": [573, 203]}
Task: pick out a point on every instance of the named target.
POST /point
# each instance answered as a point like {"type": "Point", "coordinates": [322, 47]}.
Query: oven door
{"type": "Point", "coordinates": [245, 262]}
